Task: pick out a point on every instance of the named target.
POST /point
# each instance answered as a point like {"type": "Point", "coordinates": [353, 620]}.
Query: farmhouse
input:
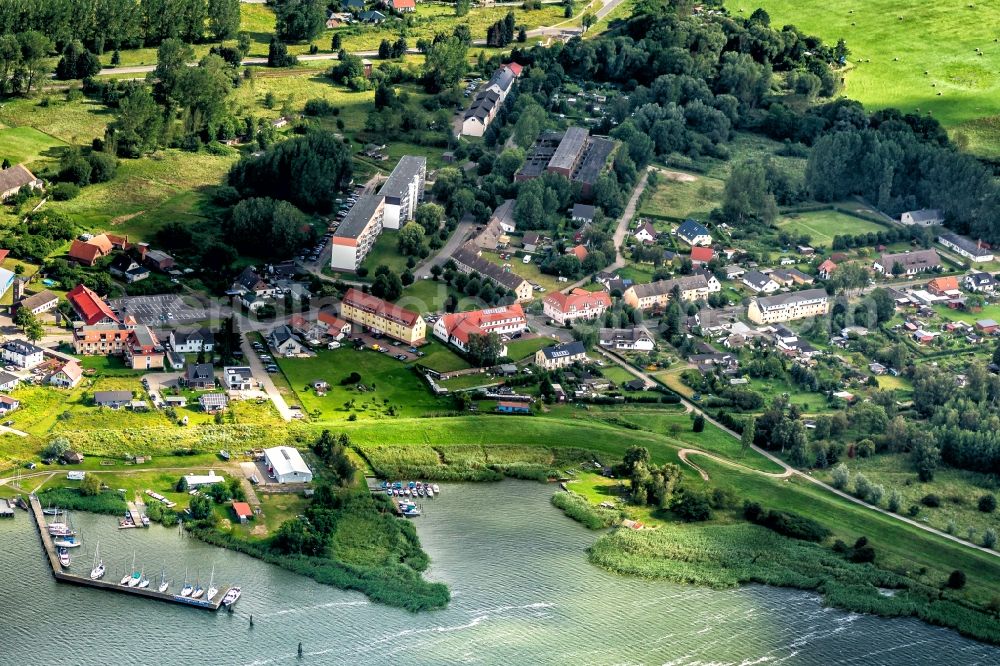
{"type": "Point", "coordinates": [578, 304]}
{"type": "Point", "coordinates": [658, 294]}
{"type": "Point", "coordinates": [637, 338]}
{"type": "Point", "coordinates": [908, 263]}
{"type": "Point", "coordinates": [285, 465]}
{"type": "Point", "coordinates": [89, 251]}
{"type": "Point", "coordinates": [559, 356]}
{"type": "Point", "coordinates": [693, 233]}
{"type": "Point", "coordinates": [965, 247]}
{"type": "Point", "coordinates": [468, 260]}
{"type": "Point", "coordinates": [383, 317]}
{"type": "Point", "coordinates": [787, 307]}
{"type": "Point", "coordinates": [924, 217]}
{"type": "Point", "coordinates": [12, 179]}
{"type": "Point", "coordinates": [404, 189]}
{"type": "Point", "coordinates": [456, 328]}
{"type": "Point", "coordinates": [357, 233]}
{"type": "Point", "coordinates": [89, 307]}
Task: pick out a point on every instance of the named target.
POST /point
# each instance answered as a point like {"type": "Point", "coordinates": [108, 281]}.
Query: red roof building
{"type": "Point", "coordinates": [404, 5]}
{"type": "Point", "coordinates": [580, 252]}
{"type": "Point", "coordinates": [702, 255]}
{"type": "Point", "coordinates": [89, 307]}
{"type": "Point", "coordinates": [243, 511]}
{"type": "Point", "coordinates": [456, 328]}
{"type": "Point", "coordinates": [578, 304]}
{"type": "Point", "coordinates": [382, 316]}
{"type": "Point", "coordinates": [826, 269]}
{"type": "Point", "coordinates": [514, 67]}
{"type": "Point", "coordinates": [943, 285]}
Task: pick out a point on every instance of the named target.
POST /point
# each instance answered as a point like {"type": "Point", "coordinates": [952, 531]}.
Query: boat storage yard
{"type": "Point", "coordinates": [112, 586]}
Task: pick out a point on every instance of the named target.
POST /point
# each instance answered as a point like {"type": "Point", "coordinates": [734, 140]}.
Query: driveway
{"type": "Point", "coordinates": [460, 235]}
{"type": "Point", "coordinates": [255, 364]}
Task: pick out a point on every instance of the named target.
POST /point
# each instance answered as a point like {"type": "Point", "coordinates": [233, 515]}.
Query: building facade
{"type": "Point", "coordinates": [788, 307]}
{"type": "Point", "coordinates": [383, 317]}
{"type": "Point", "coordinates": [578, 304]}
{"type": "Point", "coordinates": [356, 235]}
{"type": "Point", "coordinates": [403, 191]}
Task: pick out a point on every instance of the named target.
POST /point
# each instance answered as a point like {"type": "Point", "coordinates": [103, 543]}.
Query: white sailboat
{"type": "Point", "coordinates": [198, 589]}
{"type": "Point", "coordinates": [127, 577]}
{"type": "Point", "coordinates": [212, 589]}
{"type": "Point", "coordinates": [133, 581]}
{"type": "Point", "coordinates": [187, 589]}
{"type": "Point", "coordinates": [163, 582]}
{"type": "Point", "coordinates": [97, 572]}
{"type": "Point", "coordinates": [143, 581]}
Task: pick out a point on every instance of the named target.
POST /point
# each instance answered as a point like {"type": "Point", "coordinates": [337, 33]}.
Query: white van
{"type": "Point", "coordinates": [527, 259]}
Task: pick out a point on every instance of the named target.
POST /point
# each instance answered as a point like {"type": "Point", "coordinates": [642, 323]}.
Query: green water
{"type": "Point", "coordinates": [523, 593]}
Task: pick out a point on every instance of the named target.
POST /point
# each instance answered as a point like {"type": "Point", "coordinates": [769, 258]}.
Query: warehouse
{"type": "Point", "coordinates": [285, 465]}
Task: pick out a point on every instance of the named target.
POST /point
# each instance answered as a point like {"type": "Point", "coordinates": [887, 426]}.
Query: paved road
{"type": "Point", "coordinates": [460, 235]}
{"type": "Point", "coordinates": [265, 379]}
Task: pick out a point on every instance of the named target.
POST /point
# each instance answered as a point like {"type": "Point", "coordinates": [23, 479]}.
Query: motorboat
{"type": "Point", "coordinates": [97, 571]}
{"type": "Point", "coordinates": [430, 492]}
{"type": "Point", "coordinates": [436, 488]}
{"type": "Point", "coordinates": [60, 529]}
{"type": "Point", "coordinates": [231, 596]}
{"type": "Point", "coordinates": [66, 542]}
{"type": "Point", "coordinates": [224, 454]}
{"type": "Point", "coordinates": [64, 558]}
{"type": "Point", "coordinates": [52, 512]}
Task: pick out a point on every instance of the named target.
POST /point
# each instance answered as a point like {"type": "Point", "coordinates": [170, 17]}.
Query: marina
{"type": "Point", "coordinates": [59, 563]}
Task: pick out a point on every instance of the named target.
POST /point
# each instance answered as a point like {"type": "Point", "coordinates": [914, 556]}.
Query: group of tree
{"type": "Point", "coordinates": [501, 33]}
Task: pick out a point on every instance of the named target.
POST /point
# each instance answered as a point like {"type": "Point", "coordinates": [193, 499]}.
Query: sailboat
{"type": "Point", "coordinates": [136, 575]}
{"type": "Point", "coordinates": [198, 589]}
{"type": "Point", "coordinates": [187, 589]}
{"type": "Point", "coordinates": [127, 577]}
{"type": "Point", "coordinates": [66, 542]}
{"type": "Point", "coordinates": [97, 572]}
{"type": "Point", "coordinates": [163, 582]}
{"type": "Point", "coordinates": [212, 589]}
{"type": "Point", "coordinates": [143, 581]}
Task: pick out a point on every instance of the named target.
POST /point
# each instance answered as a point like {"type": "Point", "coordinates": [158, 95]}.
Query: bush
{"type": "Point", "coordinates": [352, 378]}
{"type": "Point", "coordinates": [931, 500]}
{"type": "Point", "coordinates": [956, 580]}
{"type": "Point", "coordinates": [692, 506]}
{"type": "Point", "coordinates": [895, 501]}
{"type": "Point", "coordinates": [841, 476]}
{"type": "Point", "coordinates": [583, 512]}
{"type": "Point", "coordinates": [787, 523]}
{"type": "Point", "coordinates": [990, 537]}
{"type": "Point", "coordinates": [64, 191]}
{"type": "Point", "coordinates": [988, 503]}
{"type": "Point", "coordinates": [863, 554]}
{"type": "Point", "coordinates": [102, 167]}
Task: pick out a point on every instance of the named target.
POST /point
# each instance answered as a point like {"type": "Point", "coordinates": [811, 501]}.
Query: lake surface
{"type": "Point", "coordinates": [522, 593]}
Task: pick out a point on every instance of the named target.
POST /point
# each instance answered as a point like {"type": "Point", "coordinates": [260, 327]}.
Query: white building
{"type": "Point", "coordinates": [787, 307]}
{"type": "Point", "coordinates": [403, 190]}
{"type": "Point", "coordinates": [967, 248]}
{"type": "Point", "coordinates": [286, 465]}
{"type": "Point", "coordinates": [637, 338]}
{"type": "Point", "coordinates": [357, 233]}
{"type": "Point", "coordinates": [196, 480]}
{"type": "Point", "coordinates": [21, 353]}
{"type": "Point", "coordinates": [922, 218]}
{"type": "Point", "coordinates": [238, 379]}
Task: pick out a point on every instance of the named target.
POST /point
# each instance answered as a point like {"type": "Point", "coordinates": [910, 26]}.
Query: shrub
{"type": "Point", "coordinates": [876, 494]}
{"type": "Point", "coordinates": [989, 537]}
{"type": "Point", "coordinates": [956, 580]}
{"type": "Point", "coordinates": [841, 476]}
{"type": "Point", "coordinates": [895, 501]}
{"type": "Point", "coordinates": [931, 500]}
{"type": "Point", "coordinates": [863, 554]}
{"type": "Point", "coordinates": [583, 512]}
{"type": "Point", "coordinates": [692, 506]}
{"type": "Point", "coordinates": [862, 486]}
{"type": "Point", "coordinates": [787, 523]}
{"type": "Point", "coordinates": [353, 378]}
{"type": "Point", "coordinates": [64, 191]}
{"type": "Point", "coordinates": [988, 503]}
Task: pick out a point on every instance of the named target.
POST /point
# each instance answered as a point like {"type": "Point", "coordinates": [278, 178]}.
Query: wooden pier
{"type": "Point", "coordinates": [135, 515]}
{"type": "Point", "coordinates": [110, 585]}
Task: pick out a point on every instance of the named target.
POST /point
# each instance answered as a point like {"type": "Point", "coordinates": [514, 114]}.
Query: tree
{"type": "Point", "coordinates": [926, 455]}
{"type": "Point", "coordinates": [56, 447]}
{"type": "Point", "coordinates": [410, 240]}
{"type": "Point", "coordinates": [988, 503]}
{"type": "Point", "coordinates": [747, 197]}
{"type": "Point", "coordinates": [299, 20]}
{"type": "Point", "coordinates": [529, 123]}
{"type": "Point", "coordinates": [277, 54]}
{"type": "Point", "coordinates": [748, 435]}
{"type": "Point", "coordinates": [698, 423]}
{"type": "Point", "coordinates": [91, 485]}
{"type": "Point", "coordinates": [692, 506]}
{"type": "Point", "coordinates": [266, 227]}
{"type": "Point", "coordinates": [484, 350]}
{"type": "Point", "coordinates": [841, 476]}
{"type": "Point", "coordinates": [445, 64]}
{"type": "Point", "coordinates": [429, 216]}
{"type": "Point", "coordinates": [77, 62]}
{"type": "Point", "coordinates": [172, 58]}
{"type": "Point", "coordinates": [895, 501]}
{"type": "Point", "coordinates": [387, 285]}
{"type": "Point", "coordinates": [34, 331]}
{"type": "Point", "coordinates": [223, 18]}
{"type": "Point", "coordinates": [201, 507]}
{"type": "Point", "coordinates": [989, 537]}
{"type": "Point", "coordinates": [136, 128]}
{"type": "Point", "coordinates": [956, 580]}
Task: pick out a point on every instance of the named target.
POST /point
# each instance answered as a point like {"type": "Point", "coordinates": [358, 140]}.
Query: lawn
{"type": "Point", "coordinates": [947, 78]}
{"type": "Point", "coordinates": [529, 272]}
{"type": "Point", "coordinates": [523, 348]}
{"type": "Point", "coordinates": [27, 144]}
{"type": "Point", "coordinates": [384, 252]}
{"type": "Point", "coordinates": [679, 195]}
{"type": "Point", "coordinates": [441, 358]}
{"type": "Point", "coordinates": [822, 225]}
{"type": "Point", "coordinates": [430, 295]}
{"type": "Point", "coordinates": [393, 388]}
{"type": "Point", "coordinates": [77, 122]}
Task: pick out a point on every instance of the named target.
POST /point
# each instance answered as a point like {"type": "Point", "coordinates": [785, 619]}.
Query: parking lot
{"type": "Point", "coordinates": [394, 348]}
{"type": "Point", "coordinates": [320, 253]}
{"type": "Point", "coordinates": [152, 310]}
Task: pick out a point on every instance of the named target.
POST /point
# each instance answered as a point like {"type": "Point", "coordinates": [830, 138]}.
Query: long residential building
{"type": "Point", "coordinates": [356, 235]}
{"type": "Point", "coordinates": [657, 294]}
{"type": "Point", "coordinates": [910, 263]}
{"type": "Point", "coordinates": [488, 101]}
{"type": "Point", "coordinates": [383, 317]}
{"type": "Point", "coordinates": [967, 248]}
{"type": "Point", "coordinates": [456, 328]}
{"type": "Point", "coordinates": [403, 190]}
{"type": "Point", "coordinates": [790, 306]}
{"type": "Point", "coordinates": [468, 260]}
{"type": "Point", "coordinates": [578, 304]}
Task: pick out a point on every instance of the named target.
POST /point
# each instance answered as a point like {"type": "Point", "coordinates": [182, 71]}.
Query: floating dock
{"type": "Point", "coordinates": [6, 508]}
{"type": "Point", "coordinates": [110, 585]}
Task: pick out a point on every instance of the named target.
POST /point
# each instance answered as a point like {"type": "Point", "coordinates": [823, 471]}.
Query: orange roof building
{"type": "Point", "coordinates": [943, 285]}
{"type": "Point", "coordinates": [580, 252]}
{"type": "Point", "coordinates": [243, 511]}
{"type": "Point", "coordinates": [702, 255]}
{"type": "Point", "coordinates": [456, 328]}
{"type": "Point", "coordinates": [578, 304]}
{"type": "Point", "coordinates": [381, 316]}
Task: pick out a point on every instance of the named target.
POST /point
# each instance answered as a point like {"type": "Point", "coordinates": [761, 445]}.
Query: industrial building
{"type": "Point", "coordinates": [573, 154]}
{"type": "Point", "coordinates": [285, 465]}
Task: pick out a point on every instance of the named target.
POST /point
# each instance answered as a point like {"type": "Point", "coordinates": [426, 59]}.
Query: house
{"type": "Point", "coordinates": [530, 241]}
{"type": "Point", "coordinates": [126, 268]}
{"type": "Point", "coordinates": [701, 255]}
{"type": "Point", "coordinates": [403, 190]}
{"type": "Point", "coordinates": [250, 281]}
{"type": "Point", "coordinates": [979, 282]}
{"type": "Point", "coordinates": [371, 16]}
{"type": "Point", "coordinates": [285, 465]}
{"type": "Point", "coordinates": [782, 277]}
{"type": "Point", "coordinates": [103, 339]}
{"type": "Point", "coordinates": [637, 338]}
{"type": "Point", "coordinates": [175, 401]}
{"type": "Point", "coordinates": [925, 217]}
{"type": "Point", "coordinates": [733, 271]}
{"type": "Point", "coordinates": [8, 404]}
{"type": "Point", "coordinates": [192, 341]}
{"type": "Point", "coordinates": [143, 350]}
{"type": "Point", "coordinates": [311, 331]}
{"type": "Point", "coordinates": [787, 307]}
{"type": "Point", "coordinates": [511, 407]}
{"type": "Point", "coordinates": [12, 179]}
{"type": "Point", "coordinates": [39, 303]}
{"type": "Point", "coordinates": [21, 353]}
{"type": "Point", "coordinates": [578, 304]}
{"type": "Point", "coordinates": [213, 402]}
{"type": "Point", "coordinates": [645, 232]}
{"type": "Point", "coordinates": [943, 286]}
{"type": "Point", "coordinates": [198, 480]}
{"type": "Point", "coordinates": [693, 233]}
{"type": "Point", "coordinates": [826, 269]}
{"type": "Point", "coordinates": [468, 260]}
{"type": "Point", "coordinates": [713, 282]}
{"type": "Point", "coordinates": [987, 326]}
{"type": "Point", "coordinates": [967, 248]}
{"type": "Point", "coordinates": [67, 376]}
{"type": "Point", "coordinates": [656, 295]}
{"type": "Point", "coordinates": [907, 263]}
{"type": "Point", "coordinates": [8, 382]}
{"type": "Point", "coordinates": [504, 216]}
{"type": "Point", "coordinates": [112, 399]}
{"type": "Point", "coordinates": [457, 328]}
{"type": "Point", "coordinates": [805, 250]}
{"type": "Point", "coordinates": [156, 259]}
{"type": "Point", "coordinates": [357, 233]}
{"type": "Point", "coordinates": [238, 378]}
{"type": "Point", "coordinates": [89, 307]}
{"type": "Point", "coordinates": [404, 6]}
{"type": "Point", "coordinates": [786, 261]}
{"type": "Point", "coordinates": [87, 252]}
{"type": "Point", "coordinates": [760, 283]}
{"type": "Point", "coordinates": [242, 510]}
{"type": "Point", "coordinates": [578, 251]}
{"type": "Point", "coordinates": [489, 100]}
{"type": "Point", "coordinates": [583, 213]}
{"type": "Point", "coordinates": [284, 341]}
{"type": "Point", "coordinates": [380, 316]}
{"type": "Point", "coordinates": [336, 328]}
{"type": "Point", "coordinates": [798, 277]}
{"type": "Point", "coordinates": [560, 356]}
{"type": "Point", "coordinates": [72, 457]}
{"type": "Point", "coordinates": [200, 377]}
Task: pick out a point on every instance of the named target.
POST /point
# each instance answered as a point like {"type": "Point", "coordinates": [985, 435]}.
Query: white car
{"type": "Point", "coordinates": [527, 259]}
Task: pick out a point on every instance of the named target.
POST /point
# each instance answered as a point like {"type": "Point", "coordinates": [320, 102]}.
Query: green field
{"type": "Point", "coordinates": [912, 55]}
{"type": "Point", "coordinates": [27, 144]}
{"type": "Point", "coordinates": [523, 348]}
{"type": "Point", "coordinates": [680, 195]}
{"type": "Point", "coordinates": [821, 226]}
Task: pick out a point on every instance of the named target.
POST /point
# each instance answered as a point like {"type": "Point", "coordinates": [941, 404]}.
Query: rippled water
{"type": "Point", "coordinates": [523, 593]}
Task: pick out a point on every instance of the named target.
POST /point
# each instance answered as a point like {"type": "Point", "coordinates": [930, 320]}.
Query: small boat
{"type": "Point", "coordinates": [52, 512]}
{"type": "Point", "coordinates": [97, 571]}
{"type": "Point", "coordinates": [143, 581]}
{"type": "Point", "coordinates": [388, 492]}
{"type": "Point", "coordinates": [66, 542]}
{"type": "Point", "coordinates": [420, 491]}
{"type": "Point", "coordinates": [231, 596]}
{"type": "Point", "coordinates": [136, 576]}
{"type": "Point", "coordinates": [430, 492]}
{"type": "Point", "coordinates": [224, 454]}
{"type": "Point", "coordinates": [163, 582]}
{"type": "Point", "coordinates": [436, 488]}
{"type": "Point", "coordinates": [411, 484]}
{"type": "Point", "coordinates": [127, 577]}
{"type": "Point", "coordinates": [187, 589]}
{"type": "Point", "coordinates": [212, 589]}
{"type": "Point", "coordinates": [64, 558]}
{"type": "Point", "coordinates": [61, 530]}
{"type": "Point", "coordinates": [198, 592]}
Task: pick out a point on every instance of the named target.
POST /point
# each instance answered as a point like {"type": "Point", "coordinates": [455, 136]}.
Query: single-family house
{"type": "Point", "coordinates": [213, 402]}
{"type": "Point", "coordinates": [760, 283]}
{"type": "Point", "coordinates": [583, 213]}
{"type": "Point", "coordinates": [238, 378]}
{"type": "Point", "coordinates": [734, 272]}
{"type": "Point", "coordinates": [192, 341]}
{"type": "Point", "coordinates": [645, 232]}
{"type": "Point", "coordinates": [925, 217]}
{"type": "Point", "coordinates": [8, 404]}
{"type": "Point", "coordinates": [701, 255]}
{"type": "Point", "coordinates": [693, 233]}
{"type": "Point", "coordinates": [284, 341]}
{"type": "Point", "coordinates": [578, 304]}
{"type": "Point", "coordinates": [8, 382]}
{"type": "Point", "coordinates": [87, 252]}
{"type": "Point", "coordinates": [128, 269]}
{"type": "Point", "coordinates": [200, 377]}
{"type": "Point", "coordinates": [826, 269]}
{"type": "Point", "coordinates": [979, 281]}
{"type": "Point", "coordinates": [530, 241]}
{"type": "Point", "coordinates": [943, 286]}
{"type": "Point", "coordinates": [578, 251]}
{"type": "Point", "coordinates": [636, 338]}
{"type": "Point", "coordinates": [560, 356]}
{"type": "Point", "coordinates": [13, 178]}
{"type": "Point", "coordinates": [67, 376]}
{"type": "Point", "coordinates": [112, 399]}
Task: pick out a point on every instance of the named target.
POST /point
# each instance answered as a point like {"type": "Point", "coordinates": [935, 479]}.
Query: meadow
{"type": "Point", "coordinates": [679, 195]}
{"type": "Point", "coordinates": [822, 225]}
{"type": "Point", "coordinates": [933, 57]}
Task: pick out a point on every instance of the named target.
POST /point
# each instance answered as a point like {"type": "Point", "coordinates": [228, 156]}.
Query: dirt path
{"type": "Point", "coordinates": [684, 453]}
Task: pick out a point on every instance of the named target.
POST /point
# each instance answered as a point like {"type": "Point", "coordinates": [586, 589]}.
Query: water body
{"type": "Point", "coordinates": [523, 593]}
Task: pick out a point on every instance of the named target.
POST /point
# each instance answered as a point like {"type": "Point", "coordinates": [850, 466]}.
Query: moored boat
{"type": "Point", "coordinates": [97, 571]}
{"type": "Point", "coordinates": [66, 542]}
{"type": "Point", "coordinates": [436, 488]}
{"type": "Point", "coordinates": [64, 558]}
{"type": "Point", "coordinates": [231, 596]}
